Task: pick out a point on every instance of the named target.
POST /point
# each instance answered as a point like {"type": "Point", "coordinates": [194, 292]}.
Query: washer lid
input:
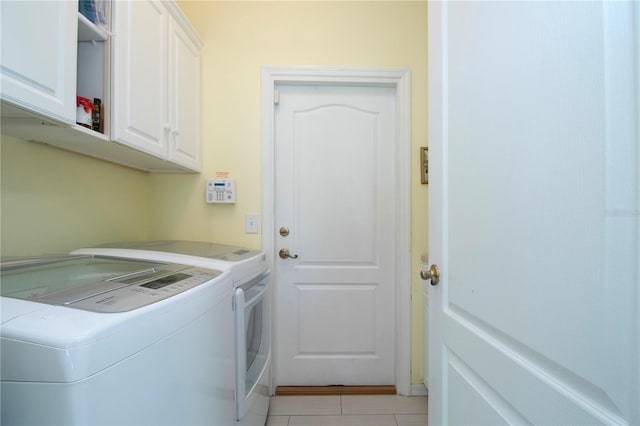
{"type": "Point", "coordinates": [98, 284]}
{"type": "Point", "coordinates": [36, 278]}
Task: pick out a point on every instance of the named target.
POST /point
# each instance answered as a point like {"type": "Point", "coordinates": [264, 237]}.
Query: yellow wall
{"type": "Point", "coordinates": [53, 201]}
{"type": "Point", "coordinates": [239, 38]}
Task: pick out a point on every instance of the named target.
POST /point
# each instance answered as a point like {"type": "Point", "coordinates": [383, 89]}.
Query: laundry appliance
{"type": "Point", "coordinates": [88, 340]}
{"type": "Point", "coordinates": [252, 308]}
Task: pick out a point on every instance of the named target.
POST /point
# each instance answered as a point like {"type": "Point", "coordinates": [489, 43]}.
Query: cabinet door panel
{"type": "Point", "coordinates": [39, 65]}
{"type": "Point", "coordinates": [184, 99]}
{"type": "Point", "coordinates": [139, 76]}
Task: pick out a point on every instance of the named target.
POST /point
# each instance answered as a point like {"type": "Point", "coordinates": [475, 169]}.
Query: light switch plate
{"type": "Point", "coordinates": [251, 223]}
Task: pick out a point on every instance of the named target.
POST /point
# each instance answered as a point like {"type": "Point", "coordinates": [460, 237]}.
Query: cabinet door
{"type": "Point", "coordinates": [184, 98]}
{"type": "Point", "coordinates": [39, 47]}
{"type": "Point", "coordinates": [139, 76]}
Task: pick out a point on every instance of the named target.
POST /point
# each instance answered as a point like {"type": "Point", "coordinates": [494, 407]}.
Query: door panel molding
{"type": "Point", "coordinates": [377, 77]}
{"type": "Point", "coordinates": [499, 352]}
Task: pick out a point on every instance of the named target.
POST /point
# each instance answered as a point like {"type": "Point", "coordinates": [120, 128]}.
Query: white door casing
{"type": "Point", "coordinates": [534, 213]}
{"type": "Point", "coordinates": [360, 288]}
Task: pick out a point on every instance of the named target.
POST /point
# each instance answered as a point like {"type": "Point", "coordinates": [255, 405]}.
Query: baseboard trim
{"type": "Point", "coordinates": [335, 390]}
{"type": "Point", "coordinates": [419, 390]}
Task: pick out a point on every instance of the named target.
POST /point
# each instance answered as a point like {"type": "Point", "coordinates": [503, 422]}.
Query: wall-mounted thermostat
{"type": "Point", "coordinates": [221, 191]}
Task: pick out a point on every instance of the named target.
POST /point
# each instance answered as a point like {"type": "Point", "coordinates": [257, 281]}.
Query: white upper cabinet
{"type": "Point", "coordinates": [38, 71]}
{"type": "Point", "coordinates": [156, 82]}
{"type": "Point", "coordinates": [145, 70]}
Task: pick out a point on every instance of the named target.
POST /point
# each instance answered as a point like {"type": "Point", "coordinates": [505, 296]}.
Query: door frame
{"type": "Point", "coordinates": [400, 79]}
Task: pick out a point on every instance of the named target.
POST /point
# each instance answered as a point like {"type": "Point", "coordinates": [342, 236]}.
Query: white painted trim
{"type": "Point", "coordinates": [401, 80]}
{"type": "Point", "coordinates": [419, 389]}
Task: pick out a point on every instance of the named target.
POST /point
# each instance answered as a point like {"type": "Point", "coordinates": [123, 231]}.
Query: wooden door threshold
{"type": "Point", "coordinates": [335, 390]}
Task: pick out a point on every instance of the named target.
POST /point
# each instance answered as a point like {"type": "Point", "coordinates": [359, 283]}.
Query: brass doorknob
{"type": "Point", "coordinates": [433, 274]}
{"type": "Point", "coordinates": [284, 254]}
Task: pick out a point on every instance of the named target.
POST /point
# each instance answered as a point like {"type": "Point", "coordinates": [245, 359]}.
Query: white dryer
{"type": "Point", "coordinates": [90, 340]}
{"type": "Point", "coordinates": [252, 304]}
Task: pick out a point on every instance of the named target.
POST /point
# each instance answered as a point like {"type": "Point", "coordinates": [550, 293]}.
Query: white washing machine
{"type": "Point", "coordinates": [102, 341]}
{"type": "Point", "coordinates": [252, 305]}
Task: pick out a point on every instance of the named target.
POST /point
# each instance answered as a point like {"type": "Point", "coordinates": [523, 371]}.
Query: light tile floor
{"type": "Point", "coordinates": [348, 410]}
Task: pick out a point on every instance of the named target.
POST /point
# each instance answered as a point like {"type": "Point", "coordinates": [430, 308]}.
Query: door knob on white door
{"type": "Point", "coordinates": [284, 254]}
{"type": "Point", "coordinates": [433, 274]}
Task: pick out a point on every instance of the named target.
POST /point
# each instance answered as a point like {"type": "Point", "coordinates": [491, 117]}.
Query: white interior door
{"type": "Point", "coordinates": [335, 193]}
{"type": "Point", "coordinates": [534, 213]}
